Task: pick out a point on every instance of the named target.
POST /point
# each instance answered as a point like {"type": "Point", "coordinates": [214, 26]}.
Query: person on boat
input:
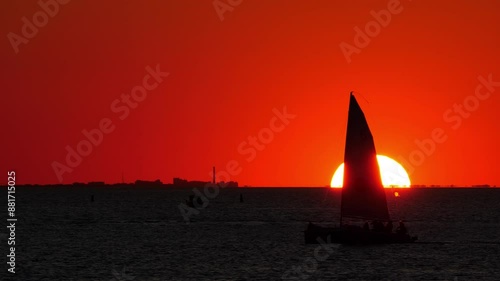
{"type": "Point", "coordinates": [378, 226]}
{"type": "Point", "coordinates": [389, 227]}
{"type": "Point", "coordinates": [402, 228]}
{"type": "Point", "coordinates": [310, 225]}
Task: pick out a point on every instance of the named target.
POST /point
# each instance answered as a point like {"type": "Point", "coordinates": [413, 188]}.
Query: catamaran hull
{"type": "Point", "coordinates": [315, 234]}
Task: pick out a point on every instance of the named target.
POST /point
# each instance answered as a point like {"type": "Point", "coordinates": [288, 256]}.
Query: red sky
{"type": "Point", "coordinates": [226, 77]}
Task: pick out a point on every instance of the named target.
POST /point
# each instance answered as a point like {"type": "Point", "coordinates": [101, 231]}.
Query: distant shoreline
{"type": "Point", "coordinates": [172, 186]}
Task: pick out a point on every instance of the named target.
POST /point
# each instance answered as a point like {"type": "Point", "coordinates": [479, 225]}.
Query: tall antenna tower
{"type": "Point", "coordinates": [213, 175]}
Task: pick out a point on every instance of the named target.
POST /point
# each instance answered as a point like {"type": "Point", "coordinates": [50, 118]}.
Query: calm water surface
{"type": "Point", "coordinates": [139, 234]}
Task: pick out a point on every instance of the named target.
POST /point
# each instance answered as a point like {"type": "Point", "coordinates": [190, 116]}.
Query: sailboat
{"type": "Point", "coordinates": [363, 196]}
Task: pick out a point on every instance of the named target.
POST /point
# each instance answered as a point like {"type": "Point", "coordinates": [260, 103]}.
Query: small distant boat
{"type": "Point", "coordinates": [363, 195]}
{"type": "Point", "coordinates": [192, 203]}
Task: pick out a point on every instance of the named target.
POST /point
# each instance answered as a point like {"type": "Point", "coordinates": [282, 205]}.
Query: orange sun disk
{"type": "Point", "coordinates": [393, 174]}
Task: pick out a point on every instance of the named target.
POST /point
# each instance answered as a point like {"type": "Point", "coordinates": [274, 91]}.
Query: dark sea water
{"type": "Point", "coordinates": [139, 234]}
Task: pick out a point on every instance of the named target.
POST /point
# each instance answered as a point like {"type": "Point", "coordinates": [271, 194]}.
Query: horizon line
{"type": "Point", "coordinates": [158, 183]}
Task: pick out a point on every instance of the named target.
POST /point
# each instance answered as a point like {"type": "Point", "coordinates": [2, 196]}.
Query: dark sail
{"type": "Point", "coordinates": [363, 194]}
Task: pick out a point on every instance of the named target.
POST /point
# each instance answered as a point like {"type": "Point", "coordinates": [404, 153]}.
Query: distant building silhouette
{"type": "Point", "coordinates": [148, 183]}
{"type": "Point", "coordinates": [178, 182]}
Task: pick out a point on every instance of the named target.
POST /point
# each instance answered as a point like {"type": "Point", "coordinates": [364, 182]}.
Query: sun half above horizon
{"type": "Point", "coordinates": [392, 173]}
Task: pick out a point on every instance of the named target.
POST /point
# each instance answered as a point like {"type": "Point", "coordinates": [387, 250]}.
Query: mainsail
{"type": "Point", "coordinates": [363, 194]}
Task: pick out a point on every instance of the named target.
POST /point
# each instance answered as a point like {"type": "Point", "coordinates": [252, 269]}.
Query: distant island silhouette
{"type": "Point", "coordinates": [176, 182]}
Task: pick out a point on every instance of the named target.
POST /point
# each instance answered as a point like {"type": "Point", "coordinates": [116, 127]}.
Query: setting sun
{"type": "Point", "coordinates": [392, 173]}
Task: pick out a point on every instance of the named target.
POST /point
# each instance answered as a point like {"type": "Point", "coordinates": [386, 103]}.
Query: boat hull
{"type": "Point", "coordinates": [315, 234]}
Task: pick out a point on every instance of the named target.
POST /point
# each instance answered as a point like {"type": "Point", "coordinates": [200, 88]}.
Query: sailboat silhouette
{"type": "Point", "coordinates": [363, 195]}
